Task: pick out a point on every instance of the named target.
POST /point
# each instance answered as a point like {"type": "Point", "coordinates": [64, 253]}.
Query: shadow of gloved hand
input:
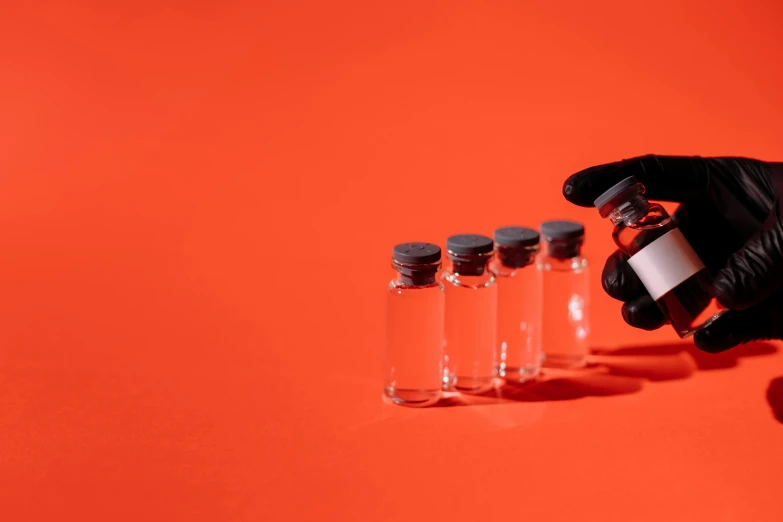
{"type": "Point", "coordinates": [731, 214]}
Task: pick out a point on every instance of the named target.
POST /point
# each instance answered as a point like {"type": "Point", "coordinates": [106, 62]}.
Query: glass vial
{"type": "Point", "coordinates": [519, 303]}
{"type": "Point", "coordinates": [660, 255]}
{"type": "Point", "coordinates": [566, 295]}
{"type": "Point", "coordinates": [414, 326]}
{"type": "Point", "coordinates": [471, 304]}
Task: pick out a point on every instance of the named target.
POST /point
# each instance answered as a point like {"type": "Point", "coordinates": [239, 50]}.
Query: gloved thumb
{"type": "Point", "coordinates": [740, 326]}
{"type": "Point", "coordinates": [755, 272]}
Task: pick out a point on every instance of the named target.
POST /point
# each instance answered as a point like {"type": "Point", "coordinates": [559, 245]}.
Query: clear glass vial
{"type": "Point", "coordinates": [414, 326]}
{"type": "Point", "coordinates": [660, 255]}
{"type": "Point", "coordinates": [566, 295]}
{"type": "Point", "coordinates": [471, 305]}
{"type": "Point", "coordinates": [519, 303]}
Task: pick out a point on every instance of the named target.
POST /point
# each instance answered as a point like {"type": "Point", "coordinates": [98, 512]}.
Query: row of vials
{"type": "Point", "coordinates": [498, 308]}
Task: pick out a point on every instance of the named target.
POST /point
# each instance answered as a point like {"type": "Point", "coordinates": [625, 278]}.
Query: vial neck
{"type": "Point", "coordinates": [416, 274]}
{"type": "Point", "coordinates": [516, 257]}
{"type": "Point", "coordinates": [564, 249]}
{"type": "Point", "coordinates": [469, 265]}
{"type": "Point", "coordinates": [630, 211]}
{"type": "Point", "coordinates": [417, 279]}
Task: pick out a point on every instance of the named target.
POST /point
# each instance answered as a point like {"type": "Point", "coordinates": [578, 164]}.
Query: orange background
{"type": "Point", "coordinates": [197, 206]}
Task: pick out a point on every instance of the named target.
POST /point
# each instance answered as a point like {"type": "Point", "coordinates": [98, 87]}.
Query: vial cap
{"type": "Point", "coordinates": [607, 196]}
{"type": "Point", "coordinates": [516, 237]}
{"type": "Point", "coordinates": [469, 244]}
{"type": "Point", "coordinates": [416, 253]}
{"type": "Point", "coordinates": [562, 230]}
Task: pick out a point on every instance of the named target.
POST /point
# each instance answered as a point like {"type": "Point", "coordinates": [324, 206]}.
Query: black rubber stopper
{"type": "Point", "coordinates": [416, 253]}
{"type": "Point", "coordinates": [562, 230]}
{"type": "Point", "coordinates": [469, 244]}
{"type": "Point", "coordinates": [514, 237]}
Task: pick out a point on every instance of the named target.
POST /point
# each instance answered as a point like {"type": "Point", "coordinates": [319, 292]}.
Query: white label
{"type": "Point", "coordinates": [665, 263]}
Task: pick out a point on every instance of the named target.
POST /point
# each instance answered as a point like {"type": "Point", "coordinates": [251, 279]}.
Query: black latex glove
{"type": "Point", "coordinates": [730, 213]}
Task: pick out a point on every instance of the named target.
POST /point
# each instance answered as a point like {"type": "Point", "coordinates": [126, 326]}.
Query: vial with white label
{"type": "Point", "coordinates": [566, 295]}
{"type": "Point", "coordinates": [471, 304]}
{"type": "Point", "coordinates": [519, 303]}
{"type": "Point", "coordinates": [414, 326]}
{"type": "Point", "coordinates": [667, 265]}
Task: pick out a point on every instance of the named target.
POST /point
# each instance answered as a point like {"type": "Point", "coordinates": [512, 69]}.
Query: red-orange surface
{"type": "Point", "coordinates": [197, 206]}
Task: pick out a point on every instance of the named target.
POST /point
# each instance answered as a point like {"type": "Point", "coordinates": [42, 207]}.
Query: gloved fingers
{"type": "Point", "coordinates": [740, 326]}
{"type": "Point", "coordinates": [666, 178]}
{"type": "Point", "coordinates": [755, 272]}
{"type": "Point", "coordinates": [643, 313]}
{"type": "Point", "coordinates": [619, 280]}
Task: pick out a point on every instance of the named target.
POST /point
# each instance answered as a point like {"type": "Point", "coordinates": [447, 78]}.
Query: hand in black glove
{"type": "Point", "coordinates": [731, 214]}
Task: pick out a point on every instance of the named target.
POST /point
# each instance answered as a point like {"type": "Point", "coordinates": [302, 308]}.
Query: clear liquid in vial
{"type": "Point", "coordinates": [471, 314]}
{"type": "Point", "coordinates": [565, 307]}
{"type": "Point", "coordinates": [414, 346]}
{"type": "Point", "coordinates": [519, 322]}
{"type": "Point", "coordinates": [691, 304]}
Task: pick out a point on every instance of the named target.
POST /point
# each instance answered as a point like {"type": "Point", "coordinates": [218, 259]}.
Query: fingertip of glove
{"type": "Point", "coordinates": [716, 337]}
{"type": "Point", "coordinates": [579, 188]}
{"type": "Point", "coordinates": [609, 284]}
{"type": "Point", "coordinates": [640, 315]}
{"type": "Point", "coordinates": [705, 342]}
{"type": "Point", "coordinates": [613, 279]}
{"type": "Point", "coordinates": [629, 315]}
{"type": "Point", "coordinates": [572, 193]}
